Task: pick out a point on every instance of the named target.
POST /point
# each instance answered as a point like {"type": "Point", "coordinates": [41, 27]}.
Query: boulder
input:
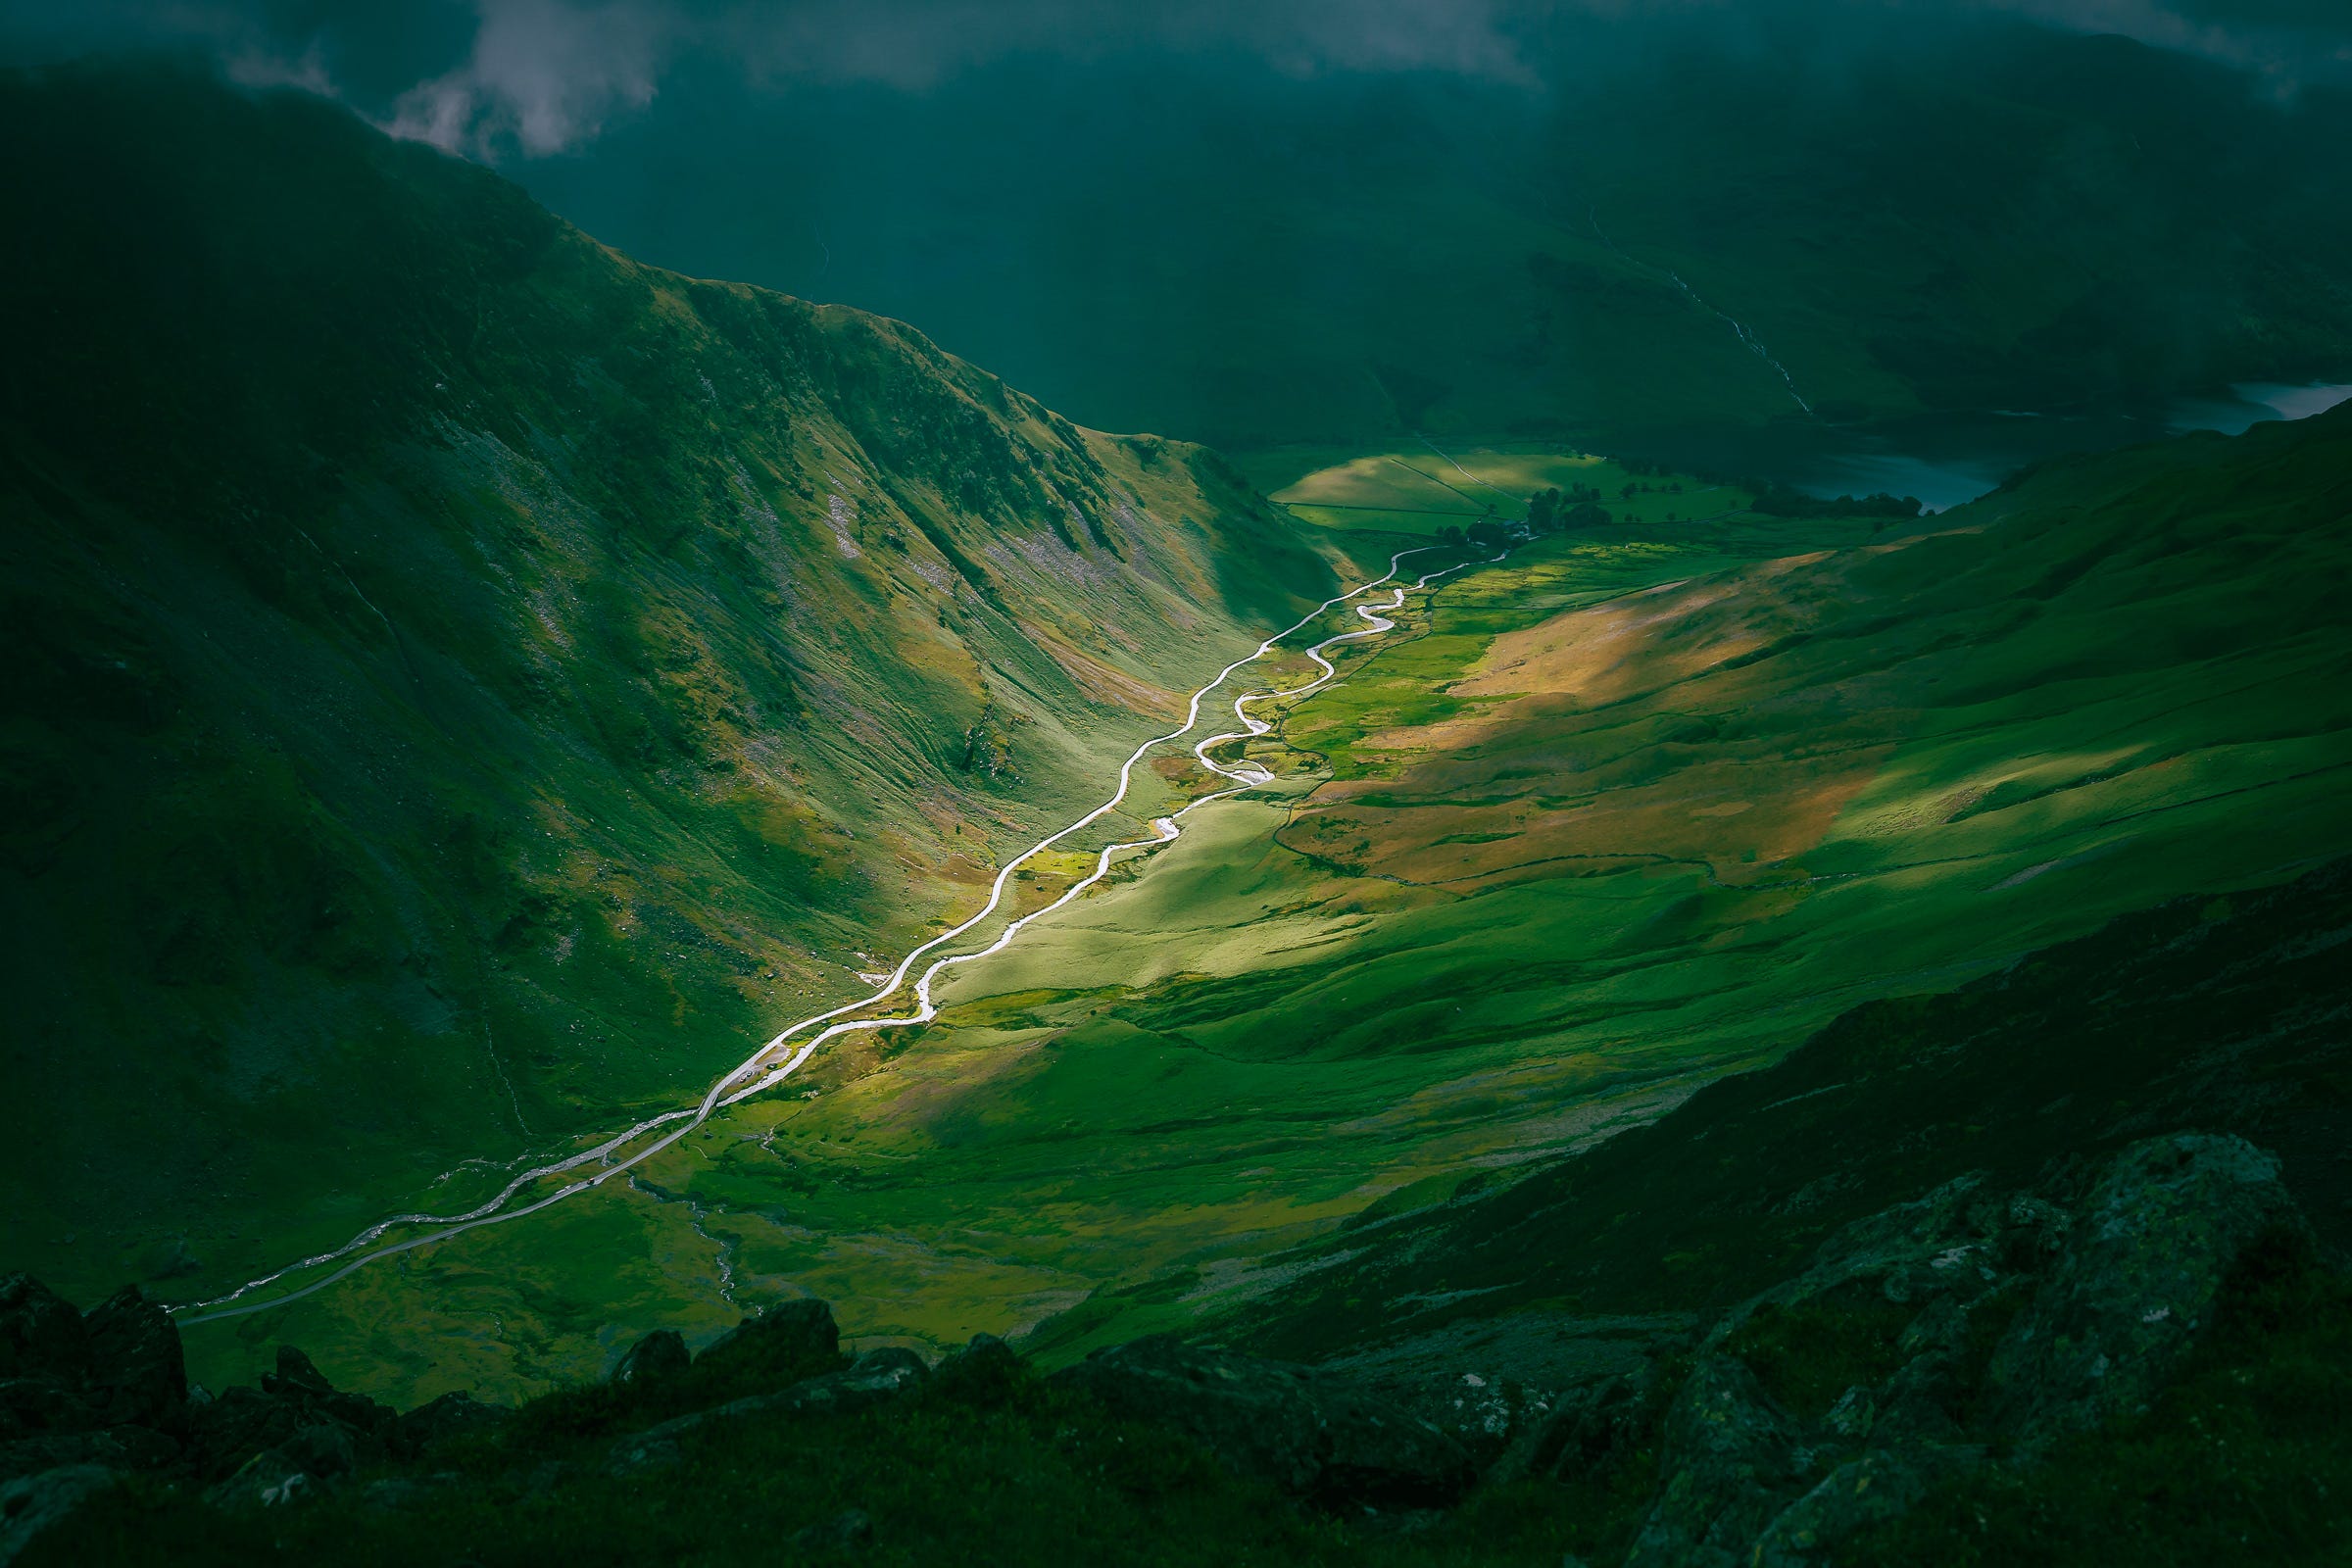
{"type": "Point", "coordinates": [787, 1342]}
{"type": "Point", "coordinates": [1313, 1435]}
{"type": "Point", "coordinates": [32, 1505]}
{"type": "Point", "coordinates": [40, 1333]}
{"type": "Point", "coordinates": [1731, 1462]}
{"type": "Point", "coordinates": [2117, 1313]}
{"type": "Point", "coordinates": [657, 1356]}
{"type": "Point", "coordinates": [136, 1369]}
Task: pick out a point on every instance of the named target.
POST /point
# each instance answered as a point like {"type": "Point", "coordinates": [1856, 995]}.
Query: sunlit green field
{"type": "Point", "coordinates": [1608, 819]}
{"type": "Point", "coordinates": [1420, 489]}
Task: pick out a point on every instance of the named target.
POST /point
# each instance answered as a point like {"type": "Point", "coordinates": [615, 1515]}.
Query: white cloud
{"type": "Point", "coordinates": [542, 75]}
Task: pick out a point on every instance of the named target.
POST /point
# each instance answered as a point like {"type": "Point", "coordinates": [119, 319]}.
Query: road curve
{"type": "Point", "coordinates": [771, 1063]}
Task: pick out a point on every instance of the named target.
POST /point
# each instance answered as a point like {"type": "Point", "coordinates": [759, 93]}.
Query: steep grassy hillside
{"type": "Point", "coordinates": [465, 686]}
{"type": "Point", "coordinates": [1643, 804]}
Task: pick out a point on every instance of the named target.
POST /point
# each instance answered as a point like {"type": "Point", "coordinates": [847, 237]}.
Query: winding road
{"type": "Point", "coordinates": [779, 1057]}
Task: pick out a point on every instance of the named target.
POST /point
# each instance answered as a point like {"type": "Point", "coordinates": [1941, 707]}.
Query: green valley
{"type": "Point", "coordinates": [1634, 808]}
{"type": "Point", "coordinates": [1687, 913]}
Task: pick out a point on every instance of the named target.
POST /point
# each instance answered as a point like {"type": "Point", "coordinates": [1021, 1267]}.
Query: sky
{"type": "Point", "coordinates": [513, 80]}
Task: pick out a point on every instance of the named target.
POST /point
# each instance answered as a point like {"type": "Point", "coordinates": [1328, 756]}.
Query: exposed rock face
{"type": "Point", "coordinates": [2159, 1235]}
{"type": "Point", "coordinates": [1312, 1433]}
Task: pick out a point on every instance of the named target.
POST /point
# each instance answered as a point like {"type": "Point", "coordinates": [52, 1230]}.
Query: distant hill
{"type": "Point", "coordinates": [1981, 215]}
{"type": "Point", "coordinates": [461, 683]}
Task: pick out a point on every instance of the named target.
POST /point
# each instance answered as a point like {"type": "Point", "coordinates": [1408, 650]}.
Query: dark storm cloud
{"type": "Point", "coordinates": [537, 76]}
{"type": "Point", "coordinates": [2287, 43]}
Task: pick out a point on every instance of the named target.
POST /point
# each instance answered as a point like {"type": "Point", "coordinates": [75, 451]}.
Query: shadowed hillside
{"type": "Point", "coordinates": [464, 684]}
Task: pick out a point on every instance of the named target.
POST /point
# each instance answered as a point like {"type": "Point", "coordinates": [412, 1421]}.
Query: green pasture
{"type": "Point", "coordinates": [1419, 489]}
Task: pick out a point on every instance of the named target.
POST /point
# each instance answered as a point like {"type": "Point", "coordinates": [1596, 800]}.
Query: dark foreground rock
{"type": "Point", "coordinates": [1311, 1434]}
{"type": "Point", "coordinates": [1966, 1327]}
{"type": "Point", "coordinates": [659, 1355]}
{"type": "Point", "coordinates": [874, 1378]}
{"type": "Point", "coordinates": [846, 1532]}
{"type": "Point", "coordinates": [781, 1344]}
{"type": "Point", "coordinates": [2090, 1305]}
{"type": "Point", "coordinates": [31, 1506]}
{"type": "Point", "coordinates": [2121, 1307]}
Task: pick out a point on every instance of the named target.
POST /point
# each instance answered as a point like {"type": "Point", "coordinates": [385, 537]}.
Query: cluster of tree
{"type": "Point", "coordinates": [1779, 501]}
{"type": "Point", "coordinates": [1553, 510]}
{"type": "Point", "coordinates": [1483, 534]}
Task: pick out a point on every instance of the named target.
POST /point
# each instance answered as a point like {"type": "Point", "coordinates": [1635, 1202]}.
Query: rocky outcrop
{"type": "Point", "coordinates": [2123, 1303]}
{"type": "Point", "coordinates": [104, 1388]}
{"type": "Point", "coordinates": [2087, 1307]}
{"type": "Point", "coordinates": [134, 1359]}
{"type": "Point", "coordinates": [1313, 1435]}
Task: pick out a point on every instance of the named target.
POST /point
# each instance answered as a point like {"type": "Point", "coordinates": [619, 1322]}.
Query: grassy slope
{"type": "Point", "coordinates": [1622, 815]}
{"type": "Point", "coordinates": [466, 687]}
